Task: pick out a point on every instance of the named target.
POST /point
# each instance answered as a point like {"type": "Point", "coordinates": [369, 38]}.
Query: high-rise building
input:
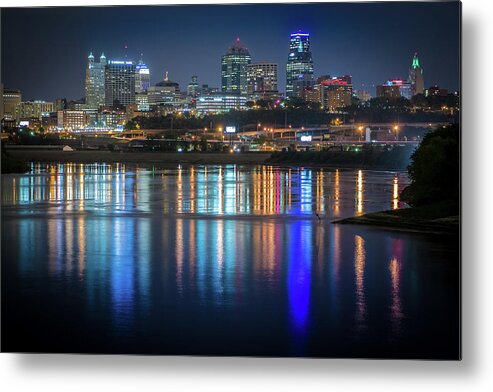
{"type": "Point", "coordinates": [416, 77]}
{"type": "Point", "coordinates": [299, 68]}
{"type": "Point", "coordinates": [262, 80]}
{"type": "Point", "coordinates": [395, 88]}
{"type": "Point", "coordinates": [165, 92]}
{"type": "Point", "coordinates": [142, 84]}
{"type": "Point", "coordinates": [220, 103]}
{"type": "Point", "coordinates": [33, 109]}
{"type": "Point", "coordinates": [312, 94]}
{"type": "Point", "coordinates": [142, 77]}
{"type": "Point", "coordinates": [234, 69]}
{"type": "Point", "coordinates": [95, 90]}
{"type": "Point", "coordinates": [388, 91]}
{"type": "Point", "coordinates": [335, 93]}
{"type": "Point", "coordinates": [11, 98]}
{"type": "Point", "coordinates": [60, 104]}
{"type": "Point", "coordinates": [119, 82]}
{"type": "Point", "coordinates": [193, 87]}
{"type": "Point", "coordinates": [73, 120]}
{"type": "Point", "coordinates": [363, 95]}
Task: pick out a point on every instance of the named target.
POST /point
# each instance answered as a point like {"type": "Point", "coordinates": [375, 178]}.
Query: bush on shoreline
{"type": "Point", "coordinates": [12, 165]}
{"type": "Point", "coordinates": [368, 157]}
{"type": "Point", "coordinates": [435, 169]}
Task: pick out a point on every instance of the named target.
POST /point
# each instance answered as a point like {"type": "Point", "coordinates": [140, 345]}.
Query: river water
{"type": "Point", "coordinates": [220, 260]}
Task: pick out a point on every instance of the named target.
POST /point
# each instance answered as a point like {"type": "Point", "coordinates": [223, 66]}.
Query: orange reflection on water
{"type": "Point", "coordinates": [337, 190]}
{"type": "Point", "coordinates": [179, 191]}
{"type": "Point", "coordinates": [266, 191]}
{"type": "Point", "coordinates": [82, 188]}
{"type": "Point", "coordinates": [395, 193]}
{"type": "Point", "coordinates": [192, 189]}
{"type": "Point", "coordinates": [359, 193]}
{"type": "Point", "coordinates": [319, 197]}
{"type": "Point", "coordinates": [81, 239]}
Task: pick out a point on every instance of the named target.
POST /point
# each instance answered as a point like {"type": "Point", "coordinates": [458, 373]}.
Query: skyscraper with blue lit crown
{"type": "Point", "coordinates": [299, 68]}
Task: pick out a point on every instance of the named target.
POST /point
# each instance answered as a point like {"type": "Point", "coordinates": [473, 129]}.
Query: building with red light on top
{"type": "Point", "coordinates": [335, 93]}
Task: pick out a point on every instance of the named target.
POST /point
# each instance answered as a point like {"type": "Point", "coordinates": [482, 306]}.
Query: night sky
{"type": "Point", "coordinates": [44, 50]}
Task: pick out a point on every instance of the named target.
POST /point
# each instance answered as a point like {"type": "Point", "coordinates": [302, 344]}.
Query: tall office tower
{"type": "Point", "coordinates": [234, 69]}
{"type": "Point", "coordinates": [95, 82]}
{"type": "Point", "coordinates": [416, 76]}
{"type": "Point", "coordinates": [299, 68]}
{"type": "Point", "coordinates": [193, 87]}
{"type": "Point", "coordinates": [142, 77]}
{"type": "Point", "coordinates": [11, 98]}
{"type": "Point", "coordinates": [119, 82]}
{"type": "Point", "coordinates": [262, 80]}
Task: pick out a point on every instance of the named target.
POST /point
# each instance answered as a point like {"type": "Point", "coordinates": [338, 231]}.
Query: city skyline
{"type": "Point", "coordinates": [369, 63]}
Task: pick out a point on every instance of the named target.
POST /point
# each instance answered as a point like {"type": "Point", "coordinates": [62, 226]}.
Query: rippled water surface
{"type": "Point", "coordinates": [226, 260]}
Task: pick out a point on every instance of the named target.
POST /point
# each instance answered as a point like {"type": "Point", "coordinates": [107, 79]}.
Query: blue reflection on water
{"type": "Point", "coordinates": [227, 252]}
{"type": "Point", "coordinates": [299, 270]}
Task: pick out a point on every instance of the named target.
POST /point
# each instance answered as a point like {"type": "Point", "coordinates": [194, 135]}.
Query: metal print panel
{"type": "Point", "coordinates": [235, 180]}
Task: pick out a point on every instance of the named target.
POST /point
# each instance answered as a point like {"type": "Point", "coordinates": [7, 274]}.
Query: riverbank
{"type": "Point", "coordinates": [11, 164]}
{"type": "Point", "coordinates": [437, 218]}
{"type": "Point", "coordinates": [50, 156]}
{"type": "Point", "coordinates": [369, 157]}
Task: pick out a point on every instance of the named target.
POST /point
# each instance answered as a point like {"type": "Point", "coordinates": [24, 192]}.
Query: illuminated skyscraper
{"type": "Point", "coordinates": [336, 93]}
{"type": "Point", "coordinates": [193, 87]}
{"type": "Point", "coordinates": [11, 98]}
{"type": "Point", "coordinates": [142, 77]}
{"type": "Point", "coordinates": [234, 69]}
{"type": "Point", "coordinates": [299, 68]}
{"type": "Point", "coordinates": [120, 82]}
{"type": "Point", "coordinates": [416, 76]}
{"type": "Point", "coordinates": [95, 82]}
{"type": "Point", "coordinates": [262, 79]}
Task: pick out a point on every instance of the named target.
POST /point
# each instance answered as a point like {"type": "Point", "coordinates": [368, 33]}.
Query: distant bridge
{"type": "Point", "coordinates": [292, 133]}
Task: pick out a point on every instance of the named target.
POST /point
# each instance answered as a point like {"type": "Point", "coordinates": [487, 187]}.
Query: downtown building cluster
{"type": "Point", "coordinates": [118, 90]}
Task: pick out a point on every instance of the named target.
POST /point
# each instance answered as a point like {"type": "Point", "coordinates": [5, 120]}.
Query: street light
{"type": "Point", "coordinates": [360, 129]}
{"type": "Point", "coordinates": [396, 129]}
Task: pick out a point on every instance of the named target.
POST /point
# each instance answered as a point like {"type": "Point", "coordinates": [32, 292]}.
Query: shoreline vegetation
{"type": "Point", "coordinates": [368, 157]}
{"type": "Point", "coordinates": [11, 164]}
{"type": "Point", "coordinates": [434, 191]}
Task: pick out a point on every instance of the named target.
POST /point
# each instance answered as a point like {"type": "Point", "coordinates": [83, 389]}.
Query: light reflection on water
{"type": "Point", "coordinates": [144, 253]}
{"type": "Point", "coordinates": [210, 190]}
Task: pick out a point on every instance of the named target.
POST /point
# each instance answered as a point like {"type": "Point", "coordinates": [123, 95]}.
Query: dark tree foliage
{"type": "Point", "coordinates": [12, 165]}
{"type": "Point", "coordinates": [435, 169]}
{"type": "Point", "coordinates": [370, 156]}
